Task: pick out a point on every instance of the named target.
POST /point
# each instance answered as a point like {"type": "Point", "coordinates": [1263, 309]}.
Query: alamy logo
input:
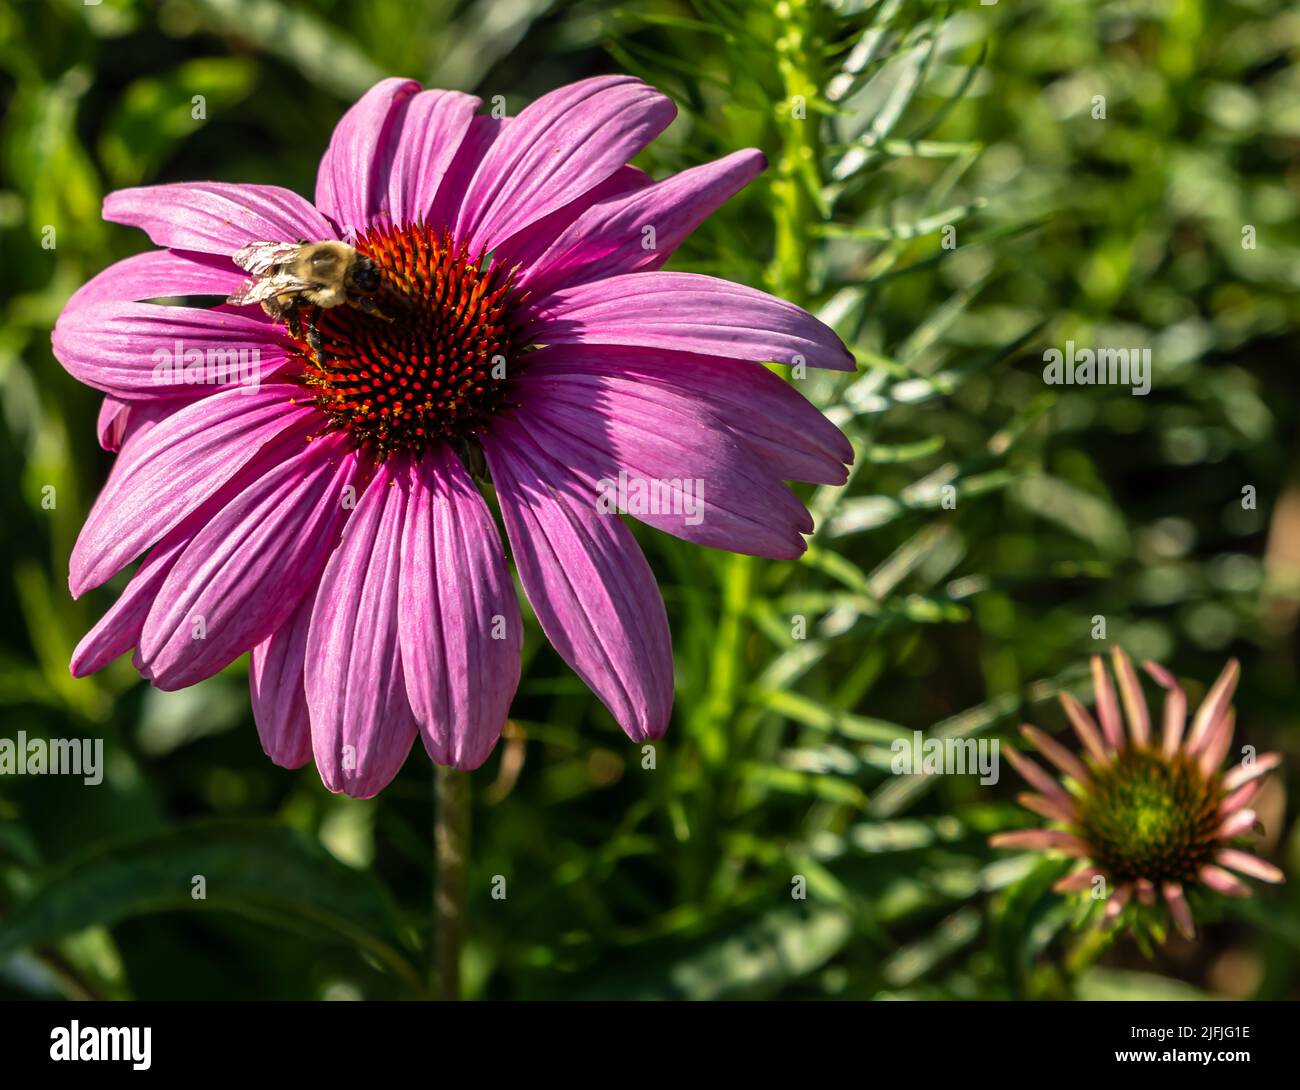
{"type": "Point", "coordinates": [651, 496]}
{"type": "Point", "coordinates": [1098, 367]}
{"type": "Point", "coordinates": [920, 755]}
{"type": "Point", "coordinates": [112, 1043]}
{"type": "Point", "coordinates": [23, 756]}
{"type": "Point", "coordinates": [190, 366]}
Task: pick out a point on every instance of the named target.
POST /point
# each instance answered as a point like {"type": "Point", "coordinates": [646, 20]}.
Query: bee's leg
{"type": "Point", "coordinates": [365, 303]}
{"type": "Point", "coordinates": [313, 336]}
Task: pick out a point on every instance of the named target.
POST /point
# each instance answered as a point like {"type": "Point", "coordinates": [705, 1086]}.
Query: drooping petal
{"type": "Point", "coordinates": [1118, 899]}
{"type": "Point", "coordinates": [655, 454]}
{"type": "Point", "coordinates": [118, 631]}
{"type": "Point", "coordinates": [245, 571]}
{"type": "Point", "coordinates": [277, 690]}
{"type": "Point", "coordinates": [1244, 772]}
{"type": "Point", "coordinates": [1041, 840]}
{"type": "Point", "coordinates": [588, 582]}
{"type": "Point", "coordinates": [1221, 881]}
{"type": "Point", "coordinates": [217, 217]}
{"type": "Point", "coordinates": [362, 726]}
{"type": "Point", "coordinates": [1245, 863]}
{"type": "Point", "coordinates": [1050, 748]}
{"type": "Point", "coordinates": [1213, 706]}
{"type": "Point", "coordinates": [460, 630]}
{"type": "Point", "coordinates": [1077, 880]}
{"type": "Point", "coordinates": [352, 181]}
{"type": "Point", "coordinates": [688, 312]}
{"type": "Point", "coordinates": [1242, 797]}
{"type": "Point", "coordinates": [433, 126]}
{"type": "Point", "coordinates": [166, 472]}
{"type": "Point", "coordinates": [1039, 780]}
{"type": "Point", "coordinates": [1175, 708]}
{"type": "Point", "coordinates": [1146, 891]}
{"type": "Point", "coordinates": [611, 237]}
{"type": "Point", "coordinates": [1178, 910]}
{"type": "Point", "coordinates": [1135, 704]}
{"type": "Point", "coordinates": [145, 350]}
{"type": "Point", "coordinates": [1236, 824]}
{"type": "Point", "coordinates": [556, 149]}
{"type": "Point", "coordinates": [768, 414]}
{"type": "Point", "coordinates": [1107, 706]}
{"type": "Point", "coordinates": [1050, 808]}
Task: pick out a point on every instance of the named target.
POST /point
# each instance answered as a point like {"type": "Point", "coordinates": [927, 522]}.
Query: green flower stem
{"type": "Point", "coordinates": [796, 177]}
{"type": "Point", "coordinates": [451, 881]}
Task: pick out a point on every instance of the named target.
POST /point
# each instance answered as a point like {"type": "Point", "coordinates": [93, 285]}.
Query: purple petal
{"type": "Point", "coordinates": [1236, 824]}
{"type": "Point", "coordinates": [625, 438]}
{"type": "Point", "coordinates": [482, 133]}
{"type": "Point", "coordinates": [1041, 840]}
{"type": "Point", "coordinates": [362, 726]}
{"type": "Point", "coordinates": [460, 630]}
{"type": "Point", "coordinates": [168, 471]}
{"type": "Point", "coordinates": [352, 182]}
{"type": "Point", "coordinates": [588, 583]}
{"type": "Point", "coordinates": [143, 350]}
{"type": "Point", "coordinates": [1175, 708]}
{"type": "Point", "coordinates": [275, 683]}
{"type": "Point", "coordinates": [523, 248]}
{"type": "Point", "coordinates": [1217, 743]}
{"type": "Point", "coordinates": [1077, 880]}
{"type": "Point", "coordinates": [1244, 773]}
{"type": "Point", "coordinates": [1252, 865]}
{"type": "Point", "coordinates": [1086, 728]}
{"type": "Point", "coordinates": [158, 274]}
{"type": "Point", "coordinates": [558, 148]}
{"type": "Point", "coordinates": [1179, 910]}
{"type": "Point", "coordinates": [687, 312]}
{"type": "Point", "coordinates": [119, 419]}
{"type": "Point", "coordinates": [1215, 705]}
{"type": "Point", "coordinates": [768, 414]}
{"type": "Point", "coordinates": [610, 237]}
{"type": "Point", "coordinates": [1050, 748]}
{"type": "Point", "coordinates": [433, 127]}
{"type": "Point", "coordinates": [118, 631]}
{"type": "Point", "coordinates": [1107, 706]}
{"type": "Point", "coordinates": [1242, 797]}
{"type": "Point", "coordinates": [217, 217]}
{"type": "Point", "coordinates": [1221, 881]}
{"type": "Point", "coordinates": [1135, 704]}
{"type": "Point", "coordinates": [1039, 780]}
{"type": "Point", "coordinates": [245, 571]}
{"type": "Point", "coordinates": [1052, 809]}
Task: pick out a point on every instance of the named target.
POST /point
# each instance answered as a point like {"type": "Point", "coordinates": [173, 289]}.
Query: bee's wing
{"type": "Point", "coordinates": [259, 257]}
{"type": "Point", "coordinates": [267, 287]}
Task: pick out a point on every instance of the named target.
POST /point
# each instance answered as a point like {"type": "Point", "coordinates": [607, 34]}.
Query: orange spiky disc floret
{"type": "Point", "coordinates": [433, 366]}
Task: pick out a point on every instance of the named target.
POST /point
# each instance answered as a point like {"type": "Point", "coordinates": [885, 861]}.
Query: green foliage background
{"type": "Point", "coordinates": [884, 122]}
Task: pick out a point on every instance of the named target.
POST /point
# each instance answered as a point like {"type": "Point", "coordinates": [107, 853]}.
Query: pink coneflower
{"type": "Point", "coordinates": [1148, 815]}
{"type": "Point", "coordinates": [324, 519]}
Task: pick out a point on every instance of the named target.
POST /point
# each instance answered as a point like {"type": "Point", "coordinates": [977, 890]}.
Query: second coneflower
{"type": "Point", "coordinates": [1147, 815]}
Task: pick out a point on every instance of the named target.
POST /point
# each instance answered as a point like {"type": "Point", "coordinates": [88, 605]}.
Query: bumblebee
{"type": "Point", "coordinates": [287, 278]}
